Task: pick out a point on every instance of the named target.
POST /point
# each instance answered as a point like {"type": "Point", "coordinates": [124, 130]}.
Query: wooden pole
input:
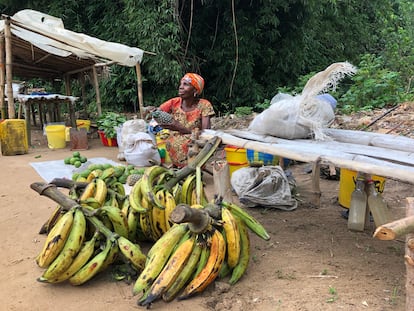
{"type": "Point", "coordinates": [395, 229]}
{"type": "Point", "coordinates": [139, 85]}
{"type": "Point", "coordinates": [409, 260]}
{"type": "Point", "coordinates": [2, 79]}
{"type": "Point", "coordinates": [97, 92]}
{"type": "Point", "coordinates": [83, 90]}
{"type": "Point", "coordinates": [9, 73]}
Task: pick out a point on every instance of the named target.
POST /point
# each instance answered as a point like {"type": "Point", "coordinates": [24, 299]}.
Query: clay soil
{"type": "Point", "coordinates": [312, 262]}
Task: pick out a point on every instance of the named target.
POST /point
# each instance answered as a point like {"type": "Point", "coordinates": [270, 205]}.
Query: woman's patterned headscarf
{"type": "Point", "coordinates": [195, 80]}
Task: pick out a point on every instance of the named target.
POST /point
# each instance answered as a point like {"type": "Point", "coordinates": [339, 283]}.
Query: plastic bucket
{"type": "Point", "coordinates": [13, 137]}
{"type": "Point", "coordinates": [83, 124]}
{"type": "Point", "coordinates": [236, 158]}
{"type": "Point", "coordinates": [347, 185]}
{"type": "Point", "coordinates": [260, 158]}
{"type": "Point", "coordinates": [56, 136]}
{"type": "Point", "coordinates": [107, 142]}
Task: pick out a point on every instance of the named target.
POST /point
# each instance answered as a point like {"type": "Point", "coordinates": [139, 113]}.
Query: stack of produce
{"type": "Point", "coordinates": [97, 225]}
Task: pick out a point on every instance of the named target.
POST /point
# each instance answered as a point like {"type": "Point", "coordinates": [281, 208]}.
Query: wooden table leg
{"type": "Point", "coordinates": [27, 118]}
{"type": "Point", "coordinates": [316, 190]}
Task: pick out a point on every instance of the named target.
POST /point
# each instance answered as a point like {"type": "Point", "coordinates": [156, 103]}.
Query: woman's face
{"type": "Point", "coordinates": [186, 90]}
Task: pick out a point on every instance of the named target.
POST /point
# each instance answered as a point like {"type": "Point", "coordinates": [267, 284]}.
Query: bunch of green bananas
{"type": "Point", "coordinates": [182, 263]}
{"type": "Point", "coordinates": [152, 201]}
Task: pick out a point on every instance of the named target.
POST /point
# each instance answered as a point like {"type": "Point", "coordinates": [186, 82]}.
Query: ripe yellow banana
{"type": "Point", "coordinates": [187, 189]}
{"type": "Point", "coordinates": [211, 269]}
{"type": "Point", "coordinates": [93, 175]}
{"type": "Point", "coordinates": [232, 237]}
{"type": "Point", "coordinates": [172, 236]}
{"type": "Point", "coordinates": [241, 267]}
{"type": "Point", "coordinates": [51, 221]}
{"type": "Point", "coordinates": [145, 225]}
{"type": "Point", "coordinates": [117, 218]}
{"type": "Point", "coordinates": [148, 179]}
{"type": "Point", "coordinates": [71, 248]}
{"type": "Point", "coordinates": [88, 192]}
{"type": "Point", "coordinates": [132, 252]}
{"type": "Point", "coordinates": [169, 207]}
{"type": "Point", "coordinates": [251, 222]}
{"type": "Point", "coordinates": [101, 191]}
{"type": "Point", "coordinates": [157, 258]}
{"type": "Point", "coordinates": [133, 224]}
{"type": "Point", "coordinates": [55, 240]}
{"type": "Point", "coordinates": [184, 276]}
{"type": "Point", "coordinates": [93, 266]}
{"type": "Point", "coordinates": [125, 207]}
{"type": "Point", "coordinates": [158, 214]}
{"type": "Point", "coordinates": [135, 197]}
{"type": "Point", "coordinates": [80, 260]}
{"type": "Point", "coordinates": [170, 272]}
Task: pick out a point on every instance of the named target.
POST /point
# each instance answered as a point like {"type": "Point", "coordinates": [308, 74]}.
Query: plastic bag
{"type": "Point", "coordinates": [266, 186]}
{"type": "Point", "coordinates": [127, 128]}
{"type": "Point", "coordinates": [141, 150]}
{"type": "Point", "coordinates": [291, 117]}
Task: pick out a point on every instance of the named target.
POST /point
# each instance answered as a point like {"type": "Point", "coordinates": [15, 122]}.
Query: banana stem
{"type": "Point", "coordinates": [199, 221]}
{"type": "Point", "coordinates": [51, 191]}
{"type": "Point", "coordinates": [199, 160]}
{"type": "Point", "coordinates": [99, 225]}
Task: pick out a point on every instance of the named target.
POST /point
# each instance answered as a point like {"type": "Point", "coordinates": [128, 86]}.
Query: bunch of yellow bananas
{"type": "Point", "coordinates": [183, 263]}
{"type": "Point", "coordinates": [152, 201]}
{"type": "Point", "coordinates": [89, 237]}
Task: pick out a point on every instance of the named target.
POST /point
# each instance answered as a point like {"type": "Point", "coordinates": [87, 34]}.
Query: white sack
{"type": "Point", "coordinates": [127, 128]}
{"type": "Point", "coordinates": [306, 114]}
{"type": "Point", "coordinates": [141, 150]}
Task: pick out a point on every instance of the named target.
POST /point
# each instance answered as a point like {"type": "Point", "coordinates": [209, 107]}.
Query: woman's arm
{"type": "Point", "coordinates": [205, 122]}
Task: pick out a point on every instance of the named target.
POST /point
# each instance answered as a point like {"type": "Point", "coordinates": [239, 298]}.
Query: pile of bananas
{"type": "Point", "coordinates": [90, 236]}
{"type": "Point", "coordinates": [188, 258]}
{"type": "Point", "coordinates": [106, 224]}
{"type": "Point", "coordinates": [155, 195]}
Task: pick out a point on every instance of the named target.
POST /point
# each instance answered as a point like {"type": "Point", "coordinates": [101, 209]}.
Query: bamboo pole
{"type": "Point", "coordinates": [97, 92]}
{"type": "Point", "coordinates": [9, 71]}
{"type": "Point", "coordinates": [409, 255]}
{"type": "Point", "coordinates": [2, 79]}
{"type": "Point", "coordinates": [311, 152]}
{"type": "Point", "coordinates": [139, 86]}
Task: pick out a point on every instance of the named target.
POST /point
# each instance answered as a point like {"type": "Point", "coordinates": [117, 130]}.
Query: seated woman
{"type": "Point", "coordinates": [188, 111]}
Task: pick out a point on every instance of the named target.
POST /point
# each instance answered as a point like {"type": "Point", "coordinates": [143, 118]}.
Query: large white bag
{"type": "Point", "coordinates": [306, 114]}
{"type": "Point", "coordinates": [128, 127]}
{"type": "Point", "coordinates": [141, 150]}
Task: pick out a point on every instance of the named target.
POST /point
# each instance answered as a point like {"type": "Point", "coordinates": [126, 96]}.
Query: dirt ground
{"type": "Point", "coordinates": [312, 262]}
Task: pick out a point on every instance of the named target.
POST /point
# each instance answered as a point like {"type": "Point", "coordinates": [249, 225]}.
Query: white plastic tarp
{"type": "Point", "coordinates": [49, 34]}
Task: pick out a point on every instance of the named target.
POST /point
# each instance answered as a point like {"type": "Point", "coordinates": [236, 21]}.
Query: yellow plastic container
{"type": "Point", "coordinates": [347, 185]}
{"type": "Point", "coordinates": [83, 124]}
{"type": "Point", "coordinates": [13, 137]}
{"type": "Point", "coordinates": [56, 136]}
{"type": "Point", "coordinates": [236, 158]}
{"type": "Point", "coordinates": [162, 148]}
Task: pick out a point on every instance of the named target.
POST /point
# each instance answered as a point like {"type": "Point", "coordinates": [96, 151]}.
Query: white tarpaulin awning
{"type": "Point", "coordinates": [49, 34]}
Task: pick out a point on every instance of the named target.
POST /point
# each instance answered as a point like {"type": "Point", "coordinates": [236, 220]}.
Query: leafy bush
{"type": "Point", "coordinates": [108, 122]}
{"type": "Point", "coordinates": [374, 86]}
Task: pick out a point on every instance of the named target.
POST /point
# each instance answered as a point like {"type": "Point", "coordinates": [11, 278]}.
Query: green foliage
{"type": "Point", "coordinates": [108, 122]}
{"type": "Point", "coordinates": [374, 86]}
{"type": "Point", "coordinates": [247, 55]}
{"type": "Point", "coordinates": [243, 111]}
